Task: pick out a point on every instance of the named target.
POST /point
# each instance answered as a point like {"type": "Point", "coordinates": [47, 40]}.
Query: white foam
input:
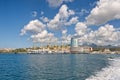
{"type": "Point", "coordinates": [111, 72]}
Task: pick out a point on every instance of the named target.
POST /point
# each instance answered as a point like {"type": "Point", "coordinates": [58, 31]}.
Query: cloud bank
{"type": "Point", "coordinates": [56, 3]}
{"type": "Point", "coordinates": [104, 11]}
{"type": "Point", "coordinates": [105, 35]}
{"type": "Point", "coordinates": [34, 26]}
{"type": "Point", "coordinates": [61, 18]}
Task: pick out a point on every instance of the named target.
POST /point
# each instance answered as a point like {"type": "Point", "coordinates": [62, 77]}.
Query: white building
{"type": "Point", "coordinates": [81, 49]}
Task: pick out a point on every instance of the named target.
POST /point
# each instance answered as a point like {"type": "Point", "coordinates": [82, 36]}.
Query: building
{"type": "Point", "coordinates": [81, 49]}
{"type": "Point", "coordinates": [75, 48]}
{"type": "Point", "coordinates": [74, 42]}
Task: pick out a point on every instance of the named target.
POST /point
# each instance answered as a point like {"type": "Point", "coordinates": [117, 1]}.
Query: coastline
{"type": "Point", "coordinates": [60, 53]}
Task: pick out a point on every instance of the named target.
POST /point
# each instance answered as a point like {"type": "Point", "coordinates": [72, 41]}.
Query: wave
{"type": "Point", "coordinates": [111, 72]}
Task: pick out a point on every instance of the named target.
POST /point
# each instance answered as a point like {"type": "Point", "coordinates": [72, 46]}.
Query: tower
{"type": "Point", "coordinates": [74, 42]}
{"type": "Point", "coordinates": [74, 45]}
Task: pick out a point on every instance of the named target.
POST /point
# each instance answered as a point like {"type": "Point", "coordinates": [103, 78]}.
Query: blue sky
{"type": "Point", "coordinates": [18, 16]}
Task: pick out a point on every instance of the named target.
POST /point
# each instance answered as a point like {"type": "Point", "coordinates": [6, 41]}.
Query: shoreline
{"type": "Point", "coordinates": [61, 53]}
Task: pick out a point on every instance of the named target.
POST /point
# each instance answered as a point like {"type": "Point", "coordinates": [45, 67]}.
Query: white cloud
{"type": "Point", "coordinates": [81, 29]}
{"type": "Point", "coordinates": [38, 32]}
{"type": "Point", "coordinates": [67, 39]}
{"type": "Point", "coordinates": [34, 13]}
{"type": "Point", "coordinates": [42, 13]}
{"type": "Point", "coordinates": [105, 11]}
{"type": "Point", "coordinates": [64, 12]}
{"type": "Point", "coordinates": [38, 29]}
{"type": "Point", "coordinates": [83, 11]}
{"type": "Point", "coordinates": [56, 3]}
{"type": "Point", "coordinates": [93, 4]}
{"type": "Point", "coordinates": [61, 18]}
{"type": "Point", "coordinates": [44, 37]}
{"type": "Point", "coordinates": [73, 20]}
{"type": "Point", "coordinates": [105, 35]}
{"type": "Point", "coordinates": [44, 19]}
{"type": "Point", "coordinates": [64, 35]}
{"type": "Point", "coordinates": [64, 31]}
{"type": "Point", "coordinates": [33, 26]}
{"type": "Point", "coordinates": [40, 35]}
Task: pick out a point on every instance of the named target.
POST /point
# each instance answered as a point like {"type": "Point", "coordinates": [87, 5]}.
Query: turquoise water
{"type": "Point", "coordinates": [51, 66]}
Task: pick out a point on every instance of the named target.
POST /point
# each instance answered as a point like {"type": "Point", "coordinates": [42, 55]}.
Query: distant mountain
{"type": "Point", "coordinates": [94, 45]}
{"type": "Point", "coordinates": [90, 44]}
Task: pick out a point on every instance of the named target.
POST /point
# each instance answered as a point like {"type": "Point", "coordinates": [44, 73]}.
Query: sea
{"type": "Point", "coordinates": [59, 66]}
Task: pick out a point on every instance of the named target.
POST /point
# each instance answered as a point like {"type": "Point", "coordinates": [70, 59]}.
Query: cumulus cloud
{"type": "Point", "coordinates": [44, 37]}
{"type": "Point", "coordinates": [56, 3]}
{"type": "Point", "coordinates": [64, 35]}
{"type": "Point", "coordinates": [73, 20]}
{"type": "Point", "coordinates": [105, 11]}
{"type": "Point", "coordinates": [42, 34]}
{"type": "Point", "coordinates": [83, 11]}
{"type": "Point", "coordinates": [40, 30]}
{"type": "Point", "coordinates": [64, 31]}
{"type": "Point", "coordinates": [81, 29]}
{"type": "Point", "coordinates": [67, 39]}
{"type": "Point", "coordinates": [33, 26]}
{"type": "Point", "coordinates": [34, 13]}
{"type": "Point", "coordinates": [93, 4]}
{"type": "Point", "coordinates": [44, 19]}
{"type": "Point", "coordinates": [105, 35]}
{"type": "Point", "coordinates": [42, 13]}
{"type": "Point", "coordinates": [61, 18]}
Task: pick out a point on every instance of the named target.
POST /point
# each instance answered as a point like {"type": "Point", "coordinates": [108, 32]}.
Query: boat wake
{"type": "Point", "coordinates": [111, 72]}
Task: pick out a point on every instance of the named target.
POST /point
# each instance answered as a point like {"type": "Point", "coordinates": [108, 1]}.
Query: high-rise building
{"type": "Point", "coordinates": [75, 48]}
{"type": "Point", "coordinates": [74, 42]}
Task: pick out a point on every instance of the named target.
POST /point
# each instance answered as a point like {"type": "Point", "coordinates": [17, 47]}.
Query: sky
{"type": "Point", "coordinates": [27, 22]}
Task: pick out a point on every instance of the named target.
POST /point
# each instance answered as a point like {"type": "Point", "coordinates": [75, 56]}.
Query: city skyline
{"type": "Point", "coordinates": [26, 21]}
